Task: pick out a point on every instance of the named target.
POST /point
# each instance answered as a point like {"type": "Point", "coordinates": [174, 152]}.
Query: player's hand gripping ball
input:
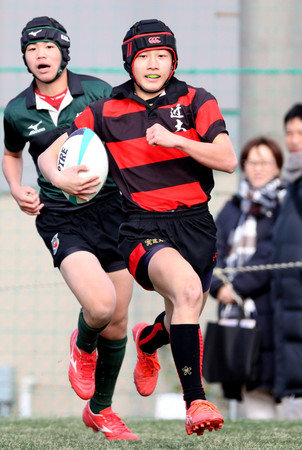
{"type": "Point", "coordinates": [83, 146]}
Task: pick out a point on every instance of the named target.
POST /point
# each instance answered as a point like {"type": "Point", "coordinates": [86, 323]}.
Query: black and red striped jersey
{"type": "Point", "coordinates": [155, 178]}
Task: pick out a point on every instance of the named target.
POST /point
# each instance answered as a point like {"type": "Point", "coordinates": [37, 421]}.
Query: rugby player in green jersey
{"type": "Point", "coordinates": [82, 239]}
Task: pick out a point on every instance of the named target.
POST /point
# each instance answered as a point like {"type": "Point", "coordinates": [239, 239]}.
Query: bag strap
{"type": "Point", "coordinates": [239, 300]}
{"type": "Point", "coordinates": [244, 305]}
{"type": "Point", "coordinates": [227, 312]}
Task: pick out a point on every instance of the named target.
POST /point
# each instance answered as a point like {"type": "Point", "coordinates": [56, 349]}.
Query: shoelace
{"type": "Point", "coordinates": [115, 423]}
{"type": "Point", "coordinates": [88, 365]}
{"type": "Point", "coordinates": [149, 363]}
{"type": "Point", "coordinates": [203, 405]}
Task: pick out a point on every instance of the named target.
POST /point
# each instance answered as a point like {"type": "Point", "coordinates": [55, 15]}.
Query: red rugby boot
{"type": "Point", "coordinates": [108, 423]}
{"type": "Point", "coordinates": [147, 366]}
{"type": "Point", "coordinates": [203, 415]}
{"type": "Point", "coordinates": [82, 369]}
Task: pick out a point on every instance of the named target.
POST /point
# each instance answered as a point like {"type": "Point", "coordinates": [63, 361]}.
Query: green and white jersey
{"type": "Point", "coordinates": [27, 119]}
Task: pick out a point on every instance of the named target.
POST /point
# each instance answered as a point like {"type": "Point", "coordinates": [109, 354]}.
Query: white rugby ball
{"type": "Point", "coordinates": [83, 146]}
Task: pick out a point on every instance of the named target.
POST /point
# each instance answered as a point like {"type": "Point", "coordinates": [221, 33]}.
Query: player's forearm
{"type": "Point", "coordinates": [12, 168]}
{"type": "Point", "coordinates": [219, 155]}
{"type": "Point", "coordinates": [47, 161]}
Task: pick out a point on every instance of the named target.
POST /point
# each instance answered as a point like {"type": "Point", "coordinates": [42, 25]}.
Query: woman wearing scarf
{"type": "Point", "coordinates": [244, 237]}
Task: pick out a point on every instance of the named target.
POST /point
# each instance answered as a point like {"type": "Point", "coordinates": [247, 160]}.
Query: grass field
{"type": "Point", "coordinates": [71, 434]}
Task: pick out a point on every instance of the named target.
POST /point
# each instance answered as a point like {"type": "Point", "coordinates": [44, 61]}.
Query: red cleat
{"type": "Point", "coordinates": [82, 369]}
{"type": "Point", "coordinates": [108, 423]}
{"type": "Point", "coordinates": [203, 415]}
{"type": "Point", "coordinates": [147, 366]}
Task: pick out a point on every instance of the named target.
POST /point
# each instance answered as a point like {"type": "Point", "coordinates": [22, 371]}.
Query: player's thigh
{"type": "Point", "coordinates": [123, 285]}
{"type": "Point", "coordinates": [173, 277]}
{"type": "Point", "coordinates": [88, 281]}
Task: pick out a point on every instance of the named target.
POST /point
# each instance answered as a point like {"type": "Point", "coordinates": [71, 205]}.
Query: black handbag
{"type": "Point", "coordinates": [232, 350]}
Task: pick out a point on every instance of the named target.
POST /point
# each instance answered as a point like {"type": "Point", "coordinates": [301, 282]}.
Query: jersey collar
{"type": "Point", "coordinates": [174, 90]}
{"type": "Point", "coordinates": [74, 85]}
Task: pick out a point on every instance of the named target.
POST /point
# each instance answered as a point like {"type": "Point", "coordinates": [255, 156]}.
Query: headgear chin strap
{"type": "Point", "coordinates": [46, 29]}
{"type": "Point", "coordinates": [148, 35]}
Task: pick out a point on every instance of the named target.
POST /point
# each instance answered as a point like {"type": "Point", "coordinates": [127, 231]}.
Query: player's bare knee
{"type": "Point", "coordinates": [115, 330]}
{"type": "Point", "coordinates": [100, 313]}
{"type": "Point", "coordinates": [191, 295]}
{"type": "Point", "coordinates": [118, 325]}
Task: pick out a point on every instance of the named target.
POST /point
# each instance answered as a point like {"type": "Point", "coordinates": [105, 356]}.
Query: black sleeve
{"type": "Point", "coordinates": [13, 141]}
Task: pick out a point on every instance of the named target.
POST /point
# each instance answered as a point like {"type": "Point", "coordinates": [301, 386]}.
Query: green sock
{"type": "Point", "coordinates": [88, 337]}
{"type": "Point", "coordinates": [111, 356]}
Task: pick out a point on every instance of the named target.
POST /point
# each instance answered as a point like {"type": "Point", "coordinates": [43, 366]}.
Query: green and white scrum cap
{"type": "Point", "coordinates": [46, 29]}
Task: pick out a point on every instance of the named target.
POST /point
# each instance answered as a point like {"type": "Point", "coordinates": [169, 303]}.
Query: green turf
{"type": "Point", "coordinates": [71, 434]}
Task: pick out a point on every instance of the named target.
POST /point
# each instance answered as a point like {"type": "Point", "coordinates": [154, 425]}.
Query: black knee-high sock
{"type": "Point", "coordinates": [111, 355]}
{"type": "Point", "coordinates": [88, 337]}
{"type": "Point", "coordinates": [154, 336]}
{"type": "Point", "coordinates": [187, 351]}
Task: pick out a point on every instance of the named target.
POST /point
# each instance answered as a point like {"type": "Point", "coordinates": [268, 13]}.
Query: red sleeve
{"type": "Point", "coordinates": [207, 115]}
{"type": "Point", "coordinates": [84, 120]}
{"type": "Point", "coordinates": [209, 121]}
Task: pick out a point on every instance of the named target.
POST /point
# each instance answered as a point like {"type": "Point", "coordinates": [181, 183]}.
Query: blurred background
{"type": "Point", "coordinates": [248, 54]}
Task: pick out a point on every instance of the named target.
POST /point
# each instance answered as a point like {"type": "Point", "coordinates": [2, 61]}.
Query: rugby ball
{"type": "Point", "coordinates": [83, 146]}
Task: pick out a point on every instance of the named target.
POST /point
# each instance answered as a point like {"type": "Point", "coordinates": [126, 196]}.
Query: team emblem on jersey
{"type": "Point", "coordinates": [55, 244]}
{"type": "Point", "coordinates": [35, 128]}
{"type": "Point", "coordinates": [149, 242]}
{"type": "Point", "coordinates": [176, 113]}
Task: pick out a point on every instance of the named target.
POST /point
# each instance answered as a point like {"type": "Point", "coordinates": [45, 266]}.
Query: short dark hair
{"type": "Point", "coordinates": [295, 111]}
{"type": "Point", "coordinates": [262, 140]}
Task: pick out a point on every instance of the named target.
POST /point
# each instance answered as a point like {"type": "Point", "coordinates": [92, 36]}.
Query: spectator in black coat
{"type": "Point", "coordinates": [287, 284]}
{"type": "Point", "coordinates": [244, 237]}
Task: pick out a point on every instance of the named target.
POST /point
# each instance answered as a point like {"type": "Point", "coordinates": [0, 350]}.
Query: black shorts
{"type": "Point", "coordinates": [192, 232]}
{"type": "Point", "coordinates": [93, 229]}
